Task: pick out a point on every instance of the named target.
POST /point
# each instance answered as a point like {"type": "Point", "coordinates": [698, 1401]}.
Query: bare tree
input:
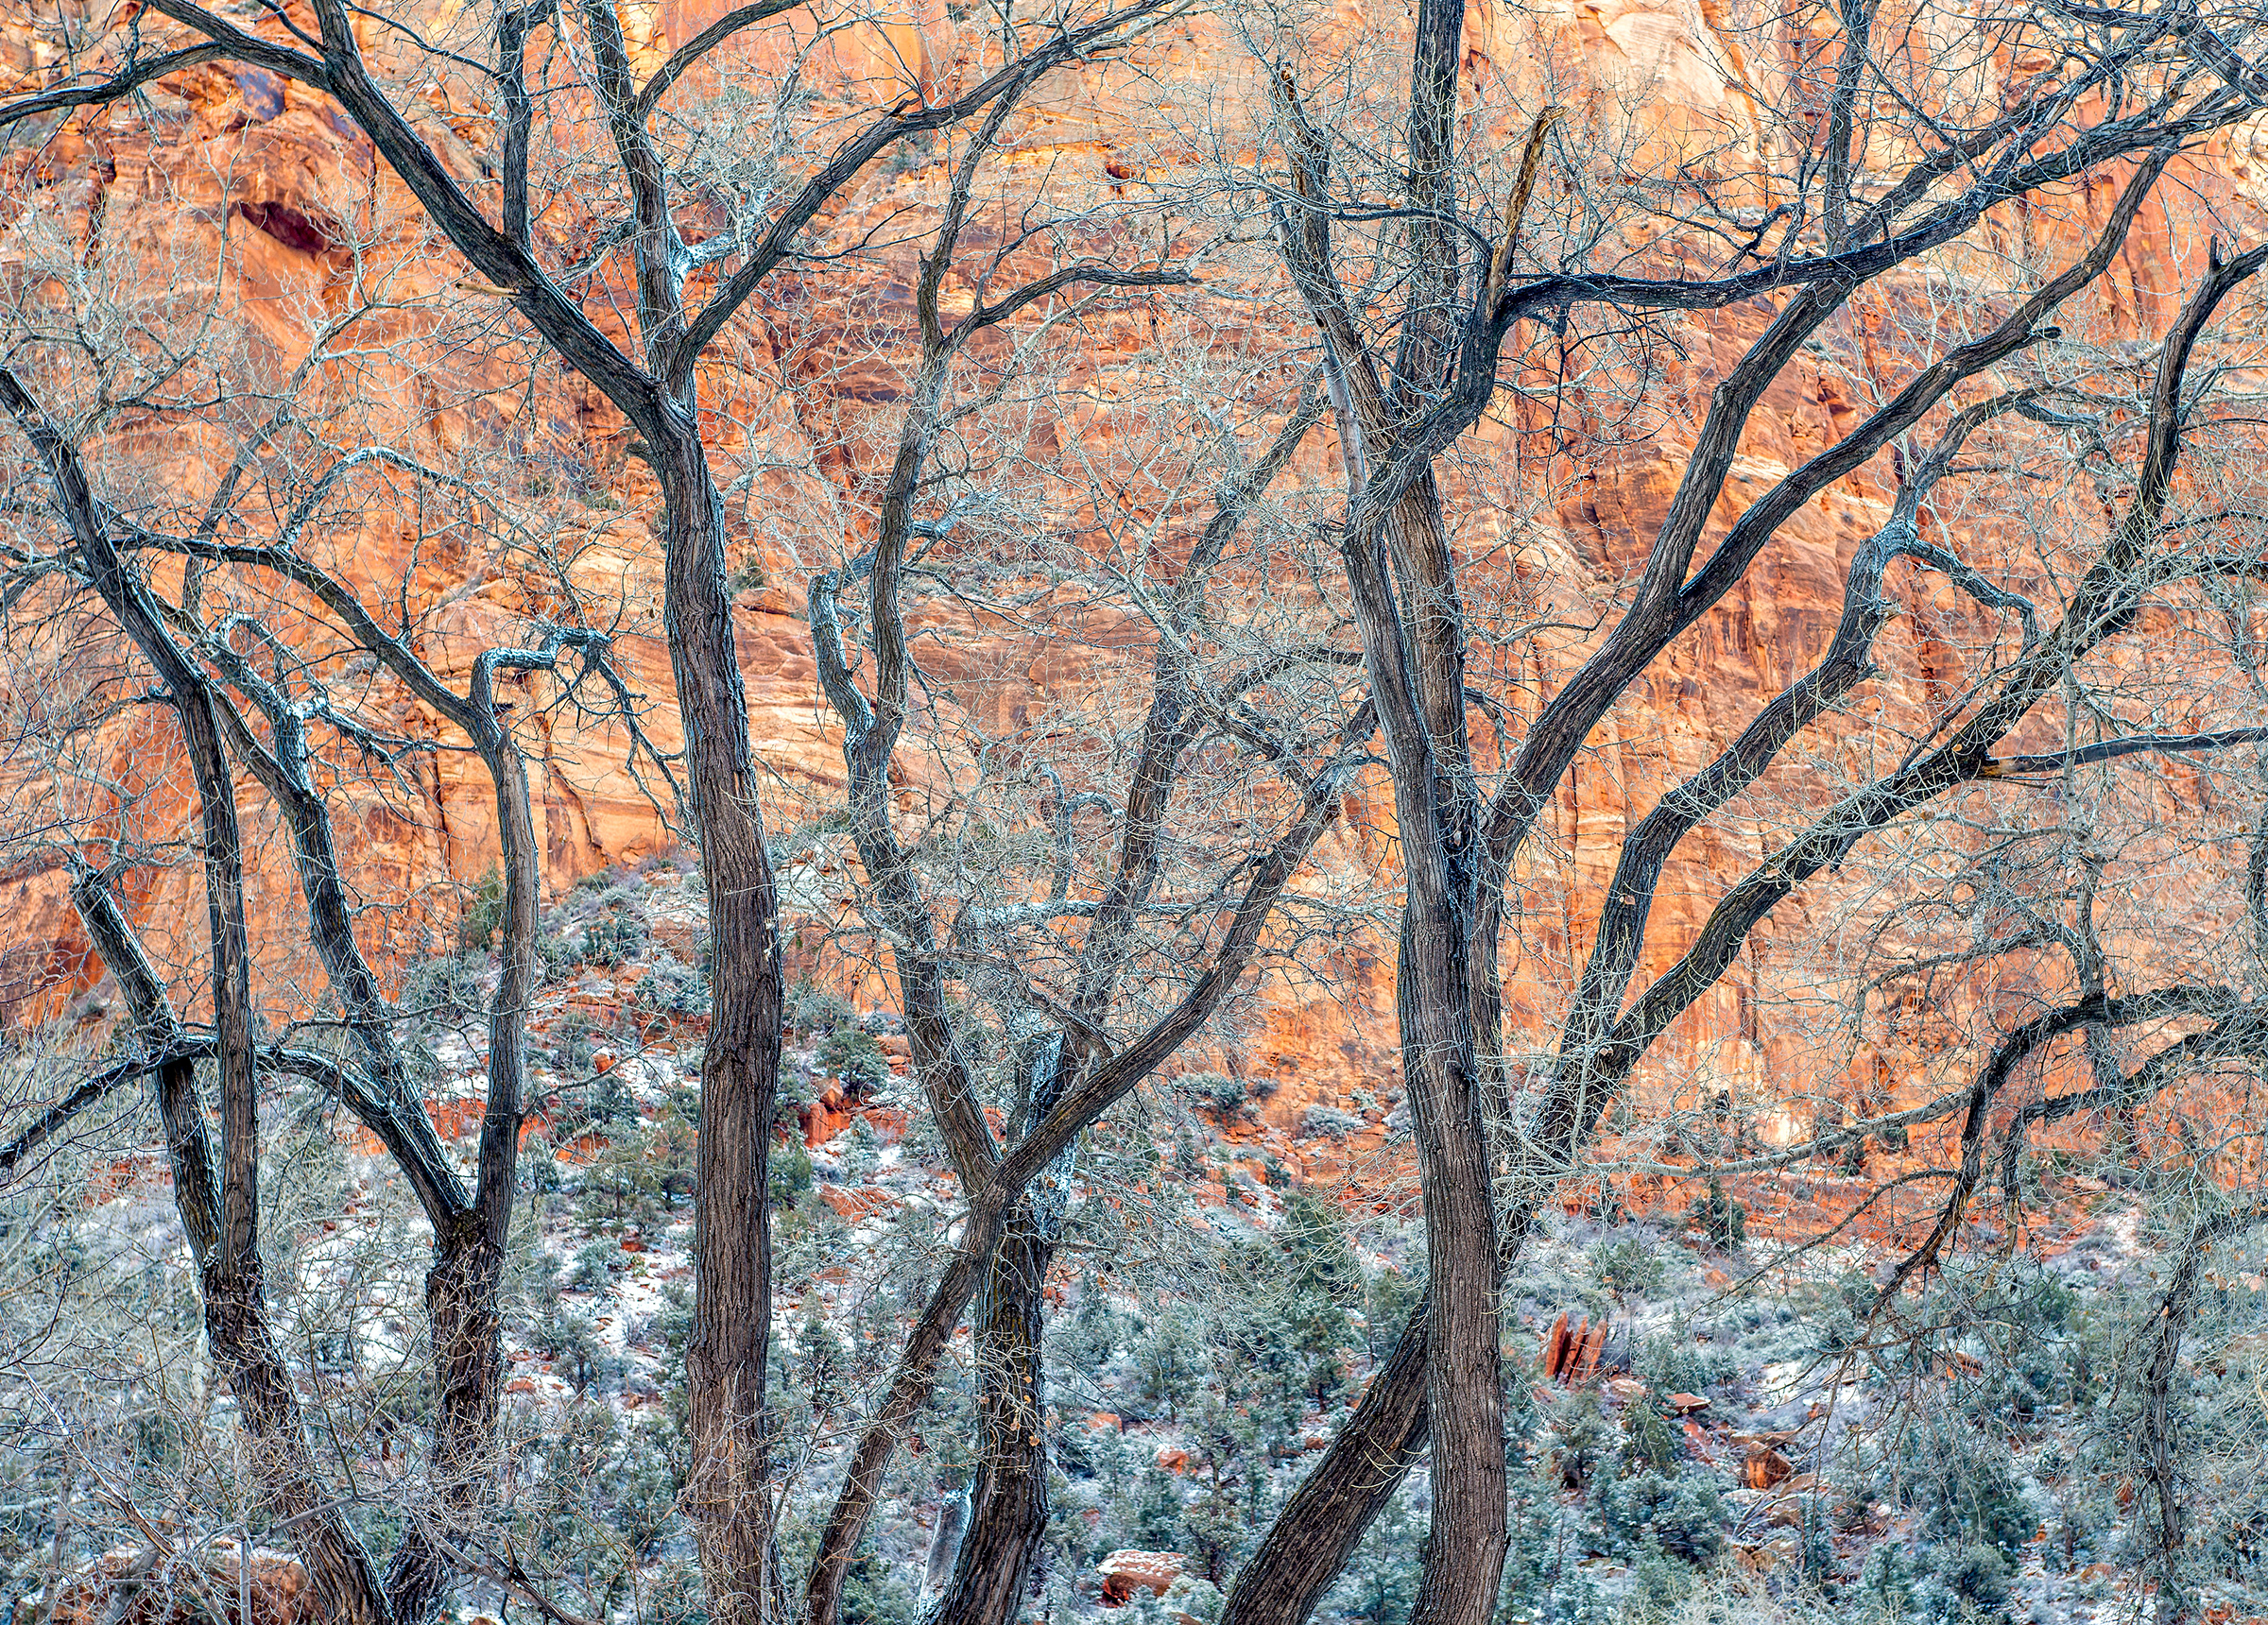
{"type": "Point", "coordinates": [1860, 184]}
{"type": "Point", "coordinates": [239, 664]}
{"type": "Point", "coordinates": [1888, 167]}
{"type": "Point", "coordinates": [1096, 971]}
{"type": "Point", "coordinates": [657, 389]}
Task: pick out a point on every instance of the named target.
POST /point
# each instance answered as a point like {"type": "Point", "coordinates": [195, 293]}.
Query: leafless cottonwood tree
{"type": "Point", "coordinates": [261, 639]}
{"type": "Point", "coordinates": [1886, 145]}
{"type": "Point", "coordinates": [1891, 153]}
{"type": "Point", "coordinates": [2061, 952]}
{"type": "Point", "coordinates": [1147, 868]}
{"type": "Point", "coordinates": [683, 295]}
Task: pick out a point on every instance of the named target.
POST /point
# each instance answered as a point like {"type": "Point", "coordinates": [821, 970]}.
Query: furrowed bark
{"type": "Point", "coordinates": [728, 1492]}
{"type": "Point", "coordinates": [725, 1354]}
{"type": "Point", "coordinates": [1008, 1502]}
{"type": "Point", "coordinates": [1413, 655]}
{"type": "Point", "coordinates": [1465, 1550]}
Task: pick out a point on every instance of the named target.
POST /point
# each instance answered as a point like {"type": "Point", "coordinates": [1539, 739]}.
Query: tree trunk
{"type": "Point", "coordinates": [462, 1286]}
{"type": "Point", "coordinates": [1415, 663]}
{"type": "Point", "coordinates": [230, 1273]}
{"type": "Point", "coordinates": [732, 1263]}
{"type": "Point", "coordinates": [222, 1219]}
{"type": "Point", "coordinates": [461, 1312]}
{"type": "Point", "coordinates": [1008, 1503]}
{"type": "Point", "coordinates": [1464, 1547]}
{"type": "Point", "coordinates": [1314, 1538]}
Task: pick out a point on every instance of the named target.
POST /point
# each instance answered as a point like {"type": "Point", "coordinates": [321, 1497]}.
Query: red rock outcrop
{"type": "Point", "coordinates": [1125, 1572]}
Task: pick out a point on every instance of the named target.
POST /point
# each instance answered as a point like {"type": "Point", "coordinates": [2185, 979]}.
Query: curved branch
{"type": "Point", "coordinates": [686, 57]}
{"type": "Point", "coordinates": [780, 238]}
{"type": "Point", "coordinates": [2243, 1032]}
{"type": "Point", "coordinates": [2097, 1010]}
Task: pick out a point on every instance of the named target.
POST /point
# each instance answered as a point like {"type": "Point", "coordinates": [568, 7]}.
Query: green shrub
{"type": "Point", "coordinates": [484, 915]}
{"type": "Point", "coordinates": [811, 1009]}
{"type": "Point", "coordinates": [571, 1045]}
{"type": "Point", "coordinates": [789, 1173]}
{"type": "Point", "coordinates": [1626, 1269]}
{"type": "Point", "coordinates": [1716, 1215]}
{"type": "Point", "coordinates": [1167, 1361]}
{"type": "Point", "coordinates": [669, 987]}
{"type": "Point", "coordinates": [852, 1054]}
{"type": "Point", "coordinates": [641, 1175]}
{"type": "Point", "coordinates": [1681, 1515]}
{"type": "Point", "coordinates": [1084, 1341]}
{"type": "Point", "coordinates": [1391, 1296]}
{"type": "Point", "coordinates": [1962, 1481]}
{"type": "Point", "coordinates": [1836, 1319]}
{"type": "Point", "coordinates": [1649, 1440]}
{"type": "Point", "coordinates": [570, 1340]}
{"type": "Point", "coordinates": [878, 1592]}
{"type": "Point", "coordinates": [447, 989]}
{"type": "Point", "coordinates": [1380, 1584]}
{"type": "Point", "coordinates": [1966, 1578]}
{"type": "Point", "coordinates": [611, 939]}
{"type": "Point", "coordinates": [1677, 1362]}
{"type": "Point", "coordinates": [1214, 1093]}
{"type": "Point", "coordinates": [596, 1264]}
{"type": "Point", "coordinates": [1577, 1431]}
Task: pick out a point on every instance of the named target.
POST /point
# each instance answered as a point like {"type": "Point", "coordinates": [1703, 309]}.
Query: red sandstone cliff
{"type": "Point", "coordinates": [247, 192]}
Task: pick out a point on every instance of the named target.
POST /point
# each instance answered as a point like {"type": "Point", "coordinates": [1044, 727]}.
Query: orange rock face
{"type": "Point", "coordinates": [255, 190]}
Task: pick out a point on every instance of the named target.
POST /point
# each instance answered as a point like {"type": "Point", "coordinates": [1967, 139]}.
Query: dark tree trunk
{"type": "Point", "coordinates": [732, 1262]}
{"type": "Point", "coordinates": [469, 1234]}
{"type": "Point", "coordinates": [222, 1217]}
{"type": "Point", "coordinates": [466, 1329]}
{"type": "Point", "coordinates": [462, 1286]}
{"type": "Point", "coordinates": [1008, 1502]}
{"type": "Point", "coordinates": [1413, 652]}
{"type": "Point", "coordinates": [1313, 1539]}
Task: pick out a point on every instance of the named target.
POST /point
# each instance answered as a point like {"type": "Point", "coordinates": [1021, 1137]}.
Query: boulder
{"type": "Point", "coordinates": [1125, 1572]}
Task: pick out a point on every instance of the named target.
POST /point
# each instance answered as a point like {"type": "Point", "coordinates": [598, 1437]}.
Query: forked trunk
{"type": "Point", "coordinates": [462, 1288]}
{"type": "Point", "coordinates": [461, 1312]}
{"type": "Point", "coordinates": [220, 1213]}
{"type": "Point", "coordinates": [1008, 1503]}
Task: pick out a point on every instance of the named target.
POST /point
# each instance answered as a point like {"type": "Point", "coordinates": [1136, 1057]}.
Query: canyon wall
{"type": "Point", "coordinates": [247, 189]}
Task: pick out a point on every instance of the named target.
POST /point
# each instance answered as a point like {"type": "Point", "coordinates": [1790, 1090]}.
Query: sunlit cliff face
{"type": "Point", "coordinates": [267, 288]}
